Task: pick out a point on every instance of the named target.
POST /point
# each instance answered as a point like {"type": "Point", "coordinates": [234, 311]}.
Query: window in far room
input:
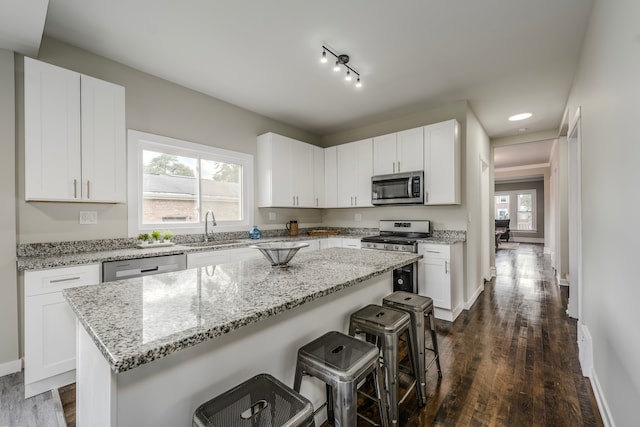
{"type": "Point", "coordinates": [174, 183]}
{"type": "Point", "coordinates": [519, 206]}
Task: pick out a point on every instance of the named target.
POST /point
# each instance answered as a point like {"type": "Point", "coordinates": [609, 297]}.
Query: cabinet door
{"type": "Point", "coordinates": [410, 150]}
{"type": "Point", "coordinates": [52, 132]}
{"type": "Point", "coordinates": [274, 171]}
{"type": "Point", "coordinates": [352, 243]}
{"type": "Point", "coordinates": [302, 177]}
{"type": "Point", "coordinates": [347, 174]}
{"type": "Point", "coordinates": [434, 281]}
{"type": "Point", "coordinates": [364, 161]}
{"type": "Point", "coordinates": [442, 163]}
{"type": "Point", "coordinates": [103, 141]}
{"type": "Point", "coordinates": [318, 177]}
{"type": "Point", "coordinates": [50, 336]}
{"type": "Point", "coordinates": [384, 154]}
{"type": "Point", "coordinates": [331, 177]}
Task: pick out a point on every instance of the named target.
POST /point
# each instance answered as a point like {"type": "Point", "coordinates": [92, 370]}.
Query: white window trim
{"type": "Point", "coordinates": [513, 203]}
{"type": "Point", "coordinates": [139, 141]}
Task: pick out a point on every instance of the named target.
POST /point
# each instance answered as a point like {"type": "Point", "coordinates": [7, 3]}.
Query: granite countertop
{"type": "Point", "coordinates": [136, 321]}
{"type": "Point", "coordinates": [80, 254]}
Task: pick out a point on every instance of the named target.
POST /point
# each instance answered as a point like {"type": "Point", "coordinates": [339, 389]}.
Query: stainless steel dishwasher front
{"type": "Point", "coordinates": [128, 268]}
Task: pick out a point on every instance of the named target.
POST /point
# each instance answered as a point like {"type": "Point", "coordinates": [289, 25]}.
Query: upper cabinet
{"type": "Point", "coordinates": [75, 143]}
{"type": "Point", "coordinates": [354, 162]}
{"type": "Point", "coordinates": [398, 152]}
{"type": "Point", "coordinates": [287, 175]}
{"type": "Point", "coordinates": [442, 163]}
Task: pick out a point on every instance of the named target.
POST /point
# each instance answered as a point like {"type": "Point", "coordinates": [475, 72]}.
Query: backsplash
{"type": "Point", "coordinates": [78, 246]}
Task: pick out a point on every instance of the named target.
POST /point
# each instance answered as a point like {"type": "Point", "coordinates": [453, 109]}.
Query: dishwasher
{"type": "Point", "coordinates": [138, 267]}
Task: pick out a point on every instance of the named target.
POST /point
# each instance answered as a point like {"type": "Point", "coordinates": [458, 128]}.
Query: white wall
{"type": "Point", "coordinates": [152, 105]}
{"type": "Point", "coordinates": [8, 284]}
{"type": "Point", "coordinates": [607, 88]}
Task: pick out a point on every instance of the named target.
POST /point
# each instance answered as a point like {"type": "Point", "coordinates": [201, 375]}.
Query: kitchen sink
{"type": "Point", "coordinates": [209, 244]}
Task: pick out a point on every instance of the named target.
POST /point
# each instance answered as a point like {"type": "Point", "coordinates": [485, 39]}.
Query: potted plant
{"type": "Point", "coordinates": [166, 236]}
{"type": "Point", "coordinates": [143, 238]}
{"type": "Point", "coordinates": [155, 235]}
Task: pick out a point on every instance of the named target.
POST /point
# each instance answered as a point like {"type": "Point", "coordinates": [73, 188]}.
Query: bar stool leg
{"type": "Point", "coordinates": [331, 417]}
{"type": "Point", "coordinates": [383, 403]}
{"type": "Point", "coordinates": [346, 404]}
{"type": "Point", "coordinates": [419, 363]}
{"type": "Point", "coordinates": [434, 340]}
{"type": "Point", "coordinates": [390, 357]}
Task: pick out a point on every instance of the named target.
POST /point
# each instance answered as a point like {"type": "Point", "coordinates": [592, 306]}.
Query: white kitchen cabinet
{"type": "Point", "coordinates": [74, 136]}
{"type": "Point", "coordinates": [398, 152]}
{"type": "Point", "coordinates": [352, 243]}
{"type": "Point", "coordinates": [331, 177]}
{"type": "Point", "coordinates": [50, 326]}
{"type": "Point", "coordinates": [318, 176]}
{"type": "Point", "coordinates": [331, 242]}
{"type": "Point", "coordinates": [442, 163]}
{"type": "Point", "coordinates": [440, 278]}
{"type": "Point", "coordinates": [354, 170]}
{"type": "Point", "coordinates": [286, 172]}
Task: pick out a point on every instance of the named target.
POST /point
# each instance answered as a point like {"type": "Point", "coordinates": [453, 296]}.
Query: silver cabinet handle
{"type": "Point", "coordinates": [433, 252]}
{"type": "Point", "coordinates": [426, 196]}
{"type": "Point", "coordinates": [446, 267]}
{"type": "Point", "coordinates": [351, 200]}
{"type": "Point", "coordinates": [398, 166]}
{"type": "Point", "coordinates": [297, 201]}
{"type": "Point", "coordinates": [356, 199]}
{"type": "Point", "coordinates": [68, 279]}
{"type": "Point", "coordinates": [75, 188]}
{"type": "Point", "coordinates": [88, 189]}
{"type": "Point", "coordinates": [317, 204]}
{"type": "Point", "coordinates": [394, 167]}
{"type": "Point", "coordinates": [294, 200]}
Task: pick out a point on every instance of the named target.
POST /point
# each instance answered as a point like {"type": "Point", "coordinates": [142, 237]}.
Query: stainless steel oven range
{"type": "Point", "coordinates": [401, 236]}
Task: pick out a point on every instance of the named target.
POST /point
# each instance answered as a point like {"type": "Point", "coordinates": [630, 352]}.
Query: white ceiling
{"type": "Point", "coordinates": [504, 56]}
{"type": "Point", "coordinates": [520, 155]}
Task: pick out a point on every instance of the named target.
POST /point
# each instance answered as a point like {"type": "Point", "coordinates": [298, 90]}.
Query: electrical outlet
{"type": "Point", "coordinates": [358, 217]}
{"type": "Point", "coordinates": [88, 217]}
{"type": "Point", "coordinates": [272, 216]}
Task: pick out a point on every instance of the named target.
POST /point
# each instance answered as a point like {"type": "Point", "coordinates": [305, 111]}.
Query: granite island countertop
{"type": "Point", "coordinates": [136, 321]}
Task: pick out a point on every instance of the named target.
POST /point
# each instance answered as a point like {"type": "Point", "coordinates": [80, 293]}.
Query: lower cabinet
{"type": "Point", "coordinates": [440, 278]}
{"type": "Point", "coordinates": [50, 326]}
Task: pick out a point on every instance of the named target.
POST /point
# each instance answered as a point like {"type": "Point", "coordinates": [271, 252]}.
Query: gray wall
{"type": "Point", "coordinates": [607, 89]}
{"type": "Point", "coordinates": [540, 206]}
{"type": "Point", "coordinates": [8, 287]}
{"type": "Point", "coordinates": [152, 105]}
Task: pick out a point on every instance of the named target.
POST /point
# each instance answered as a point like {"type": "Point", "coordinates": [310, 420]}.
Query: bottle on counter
{"type": "Point", "coordinates": [254, 233]}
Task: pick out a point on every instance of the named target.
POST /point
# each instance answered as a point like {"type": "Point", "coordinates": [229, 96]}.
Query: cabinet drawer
{"type": "Point", "coordinates": [56, 279]}
{"type": "Point", "coordinates": [434, 250]}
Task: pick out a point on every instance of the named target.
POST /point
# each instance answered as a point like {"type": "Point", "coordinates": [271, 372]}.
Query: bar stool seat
{"type": "Point", "coordinates": [260, 401]}
{"type": "Point", "coordinates": [387, 325]}
{"type": "Point", "coordinates": [341, 362]}
{"type": "Point", "coordinates": [418, 307]}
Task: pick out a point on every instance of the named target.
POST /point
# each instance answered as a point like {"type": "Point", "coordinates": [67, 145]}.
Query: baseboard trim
{"type": "Point", "coordinates": [474, 297]}
{"type": "Point", "coordinates": [603, 407]}
{"type": "Point", "coordinates": [493, 272]}
{"type": "Point", "coordinates": [527, 239]}
{"type": "Point", "coordinates": [560, 280]}
{"type": "Point", "coordinates": [10, 367]}
{"type": "Point", "coordinates": [585, 349]}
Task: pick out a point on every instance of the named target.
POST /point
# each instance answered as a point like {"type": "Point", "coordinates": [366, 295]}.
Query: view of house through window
{"type": "Point", "coordinates": [519, 207]}
{"type": "Point", "coordinates": [178, 189]}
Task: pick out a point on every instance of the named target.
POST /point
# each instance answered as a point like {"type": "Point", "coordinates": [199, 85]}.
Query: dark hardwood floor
{"type": "Point", "coordinates": [512, 360]}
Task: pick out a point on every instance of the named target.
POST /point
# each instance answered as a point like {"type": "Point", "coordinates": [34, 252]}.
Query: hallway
{"type": "Point", "coordinates": [512, 360]}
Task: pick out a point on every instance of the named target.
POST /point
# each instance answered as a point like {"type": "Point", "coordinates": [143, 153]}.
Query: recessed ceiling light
{"type": "Point", "coordinates": [520, 116]}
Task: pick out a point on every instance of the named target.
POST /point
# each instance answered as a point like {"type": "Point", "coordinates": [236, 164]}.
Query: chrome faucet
{"type": "Point", "coordinates": [206, 225]}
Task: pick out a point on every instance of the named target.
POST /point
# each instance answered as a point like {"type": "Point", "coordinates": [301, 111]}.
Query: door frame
{"type": "Point", "coordinates": [574, 140]}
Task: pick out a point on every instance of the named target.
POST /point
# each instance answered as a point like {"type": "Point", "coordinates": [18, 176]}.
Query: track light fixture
{"type": "Point", "coordinates": [341, 60]}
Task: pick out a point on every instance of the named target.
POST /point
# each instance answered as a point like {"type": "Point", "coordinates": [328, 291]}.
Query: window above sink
{"type": "Point", "coordinates": [172, 183]}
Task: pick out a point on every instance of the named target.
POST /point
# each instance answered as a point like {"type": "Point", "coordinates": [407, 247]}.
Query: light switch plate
{"type": "Point", "coordinates": [88, 217]}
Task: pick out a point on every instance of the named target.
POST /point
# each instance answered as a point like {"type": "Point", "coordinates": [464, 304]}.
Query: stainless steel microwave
{"type": "Point", "coordinates": [398, 188]}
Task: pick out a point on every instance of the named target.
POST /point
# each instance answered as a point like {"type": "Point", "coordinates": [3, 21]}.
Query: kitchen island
{"type": "Point", "coordinates": [152, 349]}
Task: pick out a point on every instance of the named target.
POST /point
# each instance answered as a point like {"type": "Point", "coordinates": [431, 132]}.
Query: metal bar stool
{"type": "Point", "coordinates": [387, 325]}
{"type": "Point", "coordinates": [260, 401]}
{"type": "Point", "coordinates": [418, 307]}
{"type": "Point", "coordinates": [342, 362]}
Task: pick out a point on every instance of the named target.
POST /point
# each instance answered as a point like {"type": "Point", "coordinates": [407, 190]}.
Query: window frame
{"type": "Point", "coordinates": [513, 208]}
{"type": "Point", "coordinates": [139, 141]}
